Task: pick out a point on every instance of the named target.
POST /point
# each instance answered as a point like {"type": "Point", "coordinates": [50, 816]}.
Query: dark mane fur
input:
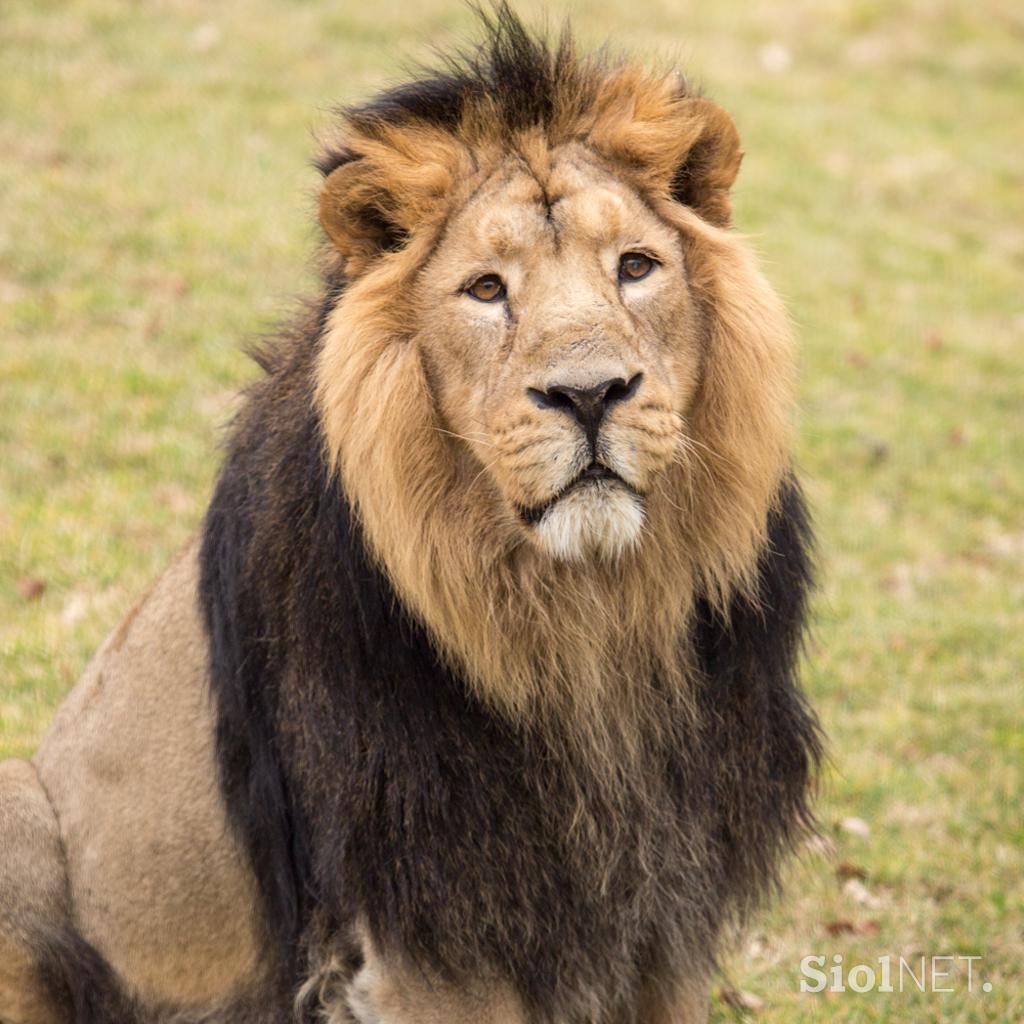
{"type": "Point", "coordinates": [366, 782]}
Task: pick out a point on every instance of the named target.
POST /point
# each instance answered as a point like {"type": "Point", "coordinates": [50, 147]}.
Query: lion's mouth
{"type": "Point", "coordinates": [595, 475]}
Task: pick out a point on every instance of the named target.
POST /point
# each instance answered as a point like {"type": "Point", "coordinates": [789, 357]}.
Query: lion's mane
{"type": "Point", "coordinates": [564, 775]}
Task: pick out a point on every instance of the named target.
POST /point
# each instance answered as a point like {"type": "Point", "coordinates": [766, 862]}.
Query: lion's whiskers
{"type": "Point", "coordinates": [466, 437]}
{"type": "Point", "coordinates": [664, 494]}
{"type": "Point", "coordinates": [686, 454]}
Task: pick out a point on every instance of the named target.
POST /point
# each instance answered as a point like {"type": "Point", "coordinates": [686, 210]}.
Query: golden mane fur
{"type": "Point", "coordinates": [536, 635]}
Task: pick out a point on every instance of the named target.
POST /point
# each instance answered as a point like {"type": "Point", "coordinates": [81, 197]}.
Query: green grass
{"type": "Point", "coordinates": [155, 212]}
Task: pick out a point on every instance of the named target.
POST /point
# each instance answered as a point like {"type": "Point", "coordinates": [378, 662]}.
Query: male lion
{"type": "Point", "coordinates": [476, 701]}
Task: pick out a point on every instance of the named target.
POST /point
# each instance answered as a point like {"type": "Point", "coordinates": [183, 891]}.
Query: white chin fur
{"type": "Point", "coordinates": [604, 520]}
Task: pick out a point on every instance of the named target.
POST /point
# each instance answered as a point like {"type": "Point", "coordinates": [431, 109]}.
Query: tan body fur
{"type": "Point", "coordinates": [136, 850]}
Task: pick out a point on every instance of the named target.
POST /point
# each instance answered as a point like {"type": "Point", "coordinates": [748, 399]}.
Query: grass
{"type": "Point", "coordinates": [156, 212]}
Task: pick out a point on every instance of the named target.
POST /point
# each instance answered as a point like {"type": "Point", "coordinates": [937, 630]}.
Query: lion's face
{"type": "Point", "coordinates": [553, 383]}
{"type": "Point", "coordinates": [559, 349]}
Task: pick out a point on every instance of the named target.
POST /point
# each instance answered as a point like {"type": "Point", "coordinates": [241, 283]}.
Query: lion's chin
{"type": "Point", "coordinates": [602, 520]}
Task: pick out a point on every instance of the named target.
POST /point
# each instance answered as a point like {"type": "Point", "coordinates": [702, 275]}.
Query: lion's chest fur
{"type": "Point", "coordinates": [473, 843]}
{"type": "Point", "coordinates": [481, 847]}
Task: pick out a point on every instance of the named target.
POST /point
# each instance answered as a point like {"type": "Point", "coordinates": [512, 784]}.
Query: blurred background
{"type": "Point", "coordinates": [156, 212]}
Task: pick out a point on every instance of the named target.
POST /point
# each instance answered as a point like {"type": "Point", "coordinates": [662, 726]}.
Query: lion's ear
{"type": "Point", "coordinates": [707, 170]}
{"type": "Point", "coordinates": [683, 146]}
{"type": "Point", "coordinates": [394, 180]}
{"type": "Point", "coordinates": [358, 214]}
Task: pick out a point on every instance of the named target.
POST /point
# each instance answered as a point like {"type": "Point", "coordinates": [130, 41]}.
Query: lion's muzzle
{"type": "Point", "coordinates": [597, 510]}
{"type": "Point", "coordinates": [586, 405]}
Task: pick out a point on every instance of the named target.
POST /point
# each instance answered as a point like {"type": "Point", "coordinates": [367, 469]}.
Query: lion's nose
{"type": "Point", "coordinates": [587, 406]}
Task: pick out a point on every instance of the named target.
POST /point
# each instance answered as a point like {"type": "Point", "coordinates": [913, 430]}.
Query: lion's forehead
{"type": "Point", "coordinates": [525, 211]}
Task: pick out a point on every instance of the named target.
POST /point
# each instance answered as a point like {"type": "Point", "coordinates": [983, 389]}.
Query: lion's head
{"type": "Point", "coordinates": [554, 383]}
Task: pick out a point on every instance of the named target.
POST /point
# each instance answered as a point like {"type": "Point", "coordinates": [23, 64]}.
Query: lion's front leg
{"type": "Point", "coordinates": [373, 988]}
{"type": "Point", "coordinates": [682, 1002]}
{"type": "Point", "coordinates": [388, 994]}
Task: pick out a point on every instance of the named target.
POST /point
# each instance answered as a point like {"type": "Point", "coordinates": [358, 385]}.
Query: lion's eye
{"type": "Point", "coordinates": [489, 288]}
{"type": "Point", "coordinates": [635, 266]}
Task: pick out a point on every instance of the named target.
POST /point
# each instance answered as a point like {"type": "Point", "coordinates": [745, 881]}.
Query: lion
{"type": "Point", "coordinates": [476, 700]}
